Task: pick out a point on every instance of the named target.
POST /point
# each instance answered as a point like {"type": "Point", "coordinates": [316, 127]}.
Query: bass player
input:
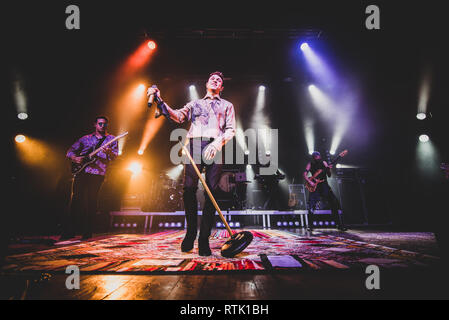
{"type": "Point", "coordinates": [322, 191]}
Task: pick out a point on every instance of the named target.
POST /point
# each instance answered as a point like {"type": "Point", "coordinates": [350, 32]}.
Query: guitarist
{"type": "Point", "coordinates": [323, 190]}
{"type": "Point", "coordinates": [87, 183]}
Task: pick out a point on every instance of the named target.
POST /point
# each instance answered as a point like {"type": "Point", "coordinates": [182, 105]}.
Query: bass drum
{"type": "Point", "coordinates": [227, 182]}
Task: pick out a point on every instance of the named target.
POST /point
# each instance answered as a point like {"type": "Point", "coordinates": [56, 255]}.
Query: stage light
{"type": "Point", "coordinates": [332, 223]}
{"type": "Point", "coordinates": [134, 225]}
{"type": "Point", "coordinates": [231, 224]}
{"type": "Point", "coordinates": [151, 44]}
{"type": "Point", "coordinates": [424, 92]}
{"type": "Point", "coordinates": [237, 224]}
{"type": "Point", "coordinates": [179, 224]}
{"type": "Point", "coordinates": [279, 224]}
{"type": "Point", "coordinates": [421, 116]}
{"type": "Point", "coordinates": [248, 166]}
{"type": "Point", "coordinates": [20, 138]}
{"type": "Point", "coordinates": [116, 225]}
{"type": "Point", "coordinates": [312, 87]}
{"type": "Point", "coordinates": [20, 98]}
{"type": "Point", "coordinates": [161, 225]}
{"type": "Point", "coordinates": [428, 159]}
{"type": "Point", "coordinates": [290, 223]}
{"type": "Point", "coordinates": [152, 126]}
{"type": "Point", "coordinates": [318, 66]}
{"type": "Point", "coordinates": [136, 168]}
{"type": "Point", "coordinates": [22, 116]}
{"type": "Point", "coordinates": [338, 166]}
{"type": "Point", "coordinates": [193, 93]}
{"type": "Point", "coordinates": [140, 152]}
{"type": "Point", "coordinates": [423, 138]}
{"type": "Point", "coordinates": [259, 119]}
{"type": "Point", "coordinates": [285, 223]}
{"type": "Point", "coordinates": [175, 172]}
{"type": "Point", "coordinates": [268, 152]}
{"type": "Point", "coordinates": [167, 225]}
{"type": "Point", "coordinates": [122, 225]}
{"type": "Point", "coordinates": [246, 152]}
{"type": "Point", "coordinates": [332, 152]}
{"type": "Point", "coordinates": [128, 225]}
{"type": "Point", "coordinates": [296, 223]}
{"type": "Point", "coordinates": [172, 224]}
{"type": "Point", "coordinates": [262, 88]}
{"type": "Point", "coordinates": [120, 152]}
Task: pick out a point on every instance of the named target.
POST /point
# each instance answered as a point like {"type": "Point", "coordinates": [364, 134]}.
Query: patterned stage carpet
{"type": "Point", "coordinates": [271, 250]}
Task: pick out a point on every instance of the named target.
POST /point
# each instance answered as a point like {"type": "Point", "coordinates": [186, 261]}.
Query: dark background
{"type": "Point", "coordinates": [67, 76]}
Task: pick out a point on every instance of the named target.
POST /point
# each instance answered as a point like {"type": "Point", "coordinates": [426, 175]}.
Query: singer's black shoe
{"type": "Point", "coordinates": [203, 248]}
{"type": "Point", "coordinates": [342, 227]}
{"type": "Point", "coordinates": [187, 244]}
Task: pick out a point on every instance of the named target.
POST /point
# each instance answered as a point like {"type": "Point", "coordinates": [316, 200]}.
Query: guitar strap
{"type": "Point", "coordinates": [99, 143]}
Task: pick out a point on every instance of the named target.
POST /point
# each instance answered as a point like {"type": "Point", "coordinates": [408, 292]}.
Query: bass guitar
{"type": "Point", "coordinates": [317, 181]}
{"type": "Point", "coordinates": [90, 157]}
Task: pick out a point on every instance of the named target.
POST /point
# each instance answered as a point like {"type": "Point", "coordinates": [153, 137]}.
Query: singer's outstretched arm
{"type": "Point", "coordinates": [178, 115]}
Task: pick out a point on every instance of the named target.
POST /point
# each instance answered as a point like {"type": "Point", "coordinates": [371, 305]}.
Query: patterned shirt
{"type": "Point", "coordinates": [86, 145]}
{"type": "Point", "coordinates": [211, 117]}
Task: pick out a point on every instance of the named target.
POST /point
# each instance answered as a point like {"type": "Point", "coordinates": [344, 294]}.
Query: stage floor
{"type": "Point", "coordinates": [279, 264]}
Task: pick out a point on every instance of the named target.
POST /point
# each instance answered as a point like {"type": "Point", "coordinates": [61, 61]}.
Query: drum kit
{"type": "Point", "coordinates": [166, 194]}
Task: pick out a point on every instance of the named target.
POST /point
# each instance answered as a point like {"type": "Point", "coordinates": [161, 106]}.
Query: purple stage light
{"type": "Point", "coordinates": [304, 46]}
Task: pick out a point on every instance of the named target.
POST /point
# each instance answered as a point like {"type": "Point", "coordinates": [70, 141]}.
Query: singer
{"type": "Point", "coordinates": [212, 121]}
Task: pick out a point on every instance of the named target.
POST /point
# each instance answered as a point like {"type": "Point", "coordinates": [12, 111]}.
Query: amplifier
{"type": "Point", "coordinates": [297, 197]}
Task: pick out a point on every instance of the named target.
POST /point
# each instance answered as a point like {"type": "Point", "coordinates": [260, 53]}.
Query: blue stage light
{"type": "Point", "coordinates": [304, 46]}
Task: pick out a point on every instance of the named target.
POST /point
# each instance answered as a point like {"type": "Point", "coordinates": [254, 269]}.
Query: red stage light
{"type": "Point", "coordinates": [151, 44]}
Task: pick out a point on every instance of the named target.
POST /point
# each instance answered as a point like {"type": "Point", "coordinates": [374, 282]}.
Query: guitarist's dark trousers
{"type": "Point", "coordinates": [84, 205]}
{"type": "Point", "coordinates": [324, 191]}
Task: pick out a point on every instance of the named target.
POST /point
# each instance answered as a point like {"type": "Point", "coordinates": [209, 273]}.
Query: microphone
{"type": "Point", "coordinates": [151, 98]}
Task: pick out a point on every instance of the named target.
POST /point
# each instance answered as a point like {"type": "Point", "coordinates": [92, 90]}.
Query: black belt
{"type": "Point", "coordinates": [202, 139]}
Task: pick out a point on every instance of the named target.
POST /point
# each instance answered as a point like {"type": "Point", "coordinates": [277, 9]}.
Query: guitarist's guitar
{"type": "Point", "coordinates": [317, 181]}
{"type": "Point", "coordinates": [90, 158]}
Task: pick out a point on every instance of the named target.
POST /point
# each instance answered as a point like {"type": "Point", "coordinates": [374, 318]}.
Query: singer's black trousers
{"type": "Point", "coordinates": [213, 174]}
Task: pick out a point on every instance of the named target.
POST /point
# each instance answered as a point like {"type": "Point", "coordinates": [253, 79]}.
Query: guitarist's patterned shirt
{"type": "Point", "coordinates": [86, 145]}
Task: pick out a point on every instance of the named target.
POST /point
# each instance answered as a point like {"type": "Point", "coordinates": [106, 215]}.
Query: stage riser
{"type": "Point", "coordinates": [137, 221]}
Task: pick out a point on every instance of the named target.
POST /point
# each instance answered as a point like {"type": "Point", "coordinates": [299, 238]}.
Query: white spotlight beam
{"type": "Point", "coordinates": [318, 66]}
{"type": "Point", "coordinates": [309, 135]}
{"type": "Point", "coordinates": [193, 93]}
{"type": "Point", "coordinates": [424, 93]}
